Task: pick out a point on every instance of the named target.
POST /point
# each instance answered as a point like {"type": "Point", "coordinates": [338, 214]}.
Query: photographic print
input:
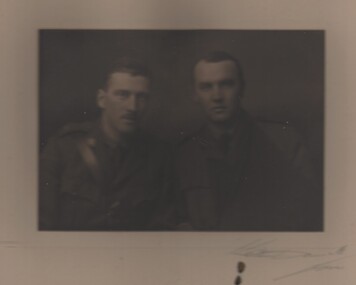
{"type": "Point", "coordinates": [181, 130]}
{"type": "Point", "coordinates": [185, 142]}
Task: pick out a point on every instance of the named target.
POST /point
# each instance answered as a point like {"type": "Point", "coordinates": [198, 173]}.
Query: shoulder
{"type": "Point", "coordinates": [279, 130]}
{"type": "Point", "coordinates": [75, 129]}
{"type": "Point", "coordinates": [282, 135]}
{"type": "Point", "coordinates": [64, 140]}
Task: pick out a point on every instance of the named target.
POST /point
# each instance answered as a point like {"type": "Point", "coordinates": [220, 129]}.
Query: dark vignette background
{"type": "Point", "coordinates": [284, 73]}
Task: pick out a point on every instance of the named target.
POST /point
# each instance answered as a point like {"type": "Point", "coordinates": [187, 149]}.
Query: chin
{"type": "Point", "coordinates": [220, 119]}
{"type": "Point", "coordinates": [127, 129]}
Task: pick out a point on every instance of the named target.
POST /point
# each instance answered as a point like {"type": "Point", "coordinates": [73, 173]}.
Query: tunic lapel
{"type": "Point", "coordinates": [135, 157]}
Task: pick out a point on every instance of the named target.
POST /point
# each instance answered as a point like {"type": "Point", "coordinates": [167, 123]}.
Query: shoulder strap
{"type": "Point", "coordinates": [89, 157]}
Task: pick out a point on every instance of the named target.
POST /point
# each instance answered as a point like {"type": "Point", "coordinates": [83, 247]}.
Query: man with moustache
{"type": "Point", "coordinates": [108, 175]}
{"type": "Point", "coordinates": [236, 173]}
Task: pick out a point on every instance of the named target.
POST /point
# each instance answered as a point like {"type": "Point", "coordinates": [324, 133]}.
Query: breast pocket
{"type": "Point", "coordinates": [79, 200]}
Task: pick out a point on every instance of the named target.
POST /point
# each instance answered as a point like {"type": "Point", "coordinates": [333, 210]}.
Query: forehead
{"type": "Point", "coordinates": [211, 71]}
{"type": "Point", "coordinates": [125, 80]}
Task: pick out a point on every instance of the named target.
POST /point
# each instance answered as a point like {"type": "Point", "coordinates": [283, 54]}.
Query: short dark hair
{"type": "Point", "coordinates": [218, 56]}
{"type": "Point", "coordinates": [126, 64]}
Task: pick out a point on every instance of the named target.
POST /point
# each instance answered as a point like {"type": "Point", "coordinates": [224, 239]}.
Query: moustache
{"type": "Point", "coordinates": [130, 116]}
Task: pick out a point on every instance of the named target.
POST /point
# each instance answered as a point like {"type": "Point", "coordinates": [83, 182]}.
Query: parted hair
{"type": "Point", "coordinates": [218, 56]}
{"type": "Point", "coordinates": [126, 64]}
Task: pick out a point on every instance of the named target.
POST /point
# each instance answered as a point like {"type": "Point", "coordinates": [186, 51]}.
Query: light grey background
{"type": "Point", "coordinates": [31, 257]}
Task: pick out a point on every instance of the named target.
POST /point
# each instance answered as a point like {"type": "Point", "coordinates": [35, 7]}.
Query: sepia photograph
{"type": "Point", "coordinates": [181, 130]}
{"type": "Point", "coordinates": [192, 142]}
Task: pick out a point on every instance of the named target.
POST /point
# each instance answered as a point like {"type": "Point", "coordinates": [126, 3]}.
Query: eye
{"type": "Point", "coordinates": [205, 86]}
{"type": "Point", "coordinates": [227, 83]}
{"type": "Point", "coordinates": [122, 93]}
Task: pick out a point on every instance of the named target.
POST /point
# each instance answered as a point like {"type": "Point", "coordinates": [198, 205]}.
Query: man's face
{"type": "Point", "coordinates": [217, 89]}
{"type": "Point", "coordinates": [124, 101]}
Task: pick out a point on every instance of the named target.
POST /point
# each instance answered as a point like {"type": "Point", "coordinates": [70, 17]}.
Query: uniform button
{"type": "Point", "coordinates": [115, 205]}
{"type": "Point", "coordinates": [286, 124]}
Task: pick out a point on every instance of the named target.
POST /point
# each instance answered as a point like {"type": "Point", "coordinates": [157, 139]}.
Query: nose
{"type": "Point", "coordinates": [217, 94]}
{"type": "Point", "coordinates": [132, 103]}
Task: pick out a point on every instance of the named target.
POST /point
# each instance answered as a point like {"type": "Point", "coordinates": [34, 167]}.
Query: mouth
{"type": "Point", "coordinates": [219, 109]}
{"type": "Point", "coordinates": [130, 119]}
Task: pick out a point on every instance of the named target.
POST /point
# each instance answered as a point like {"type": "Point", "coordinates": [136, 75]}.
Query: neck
{"type": "Point", "coordinates": [112, 136]}
{"type": "Point", "coordinates": [219, 128]}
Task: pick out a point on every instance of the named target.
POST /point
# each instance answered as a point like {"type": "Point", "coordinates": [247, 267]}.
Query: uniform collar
{"type": "Point", "coordinates": [212, 134]}
{"type": "Point", "coordinates": [135, 141]}
{"type": "Point", "coordinates": [135, 150]}
{"type": "Point", "coordinates": [210, 138]}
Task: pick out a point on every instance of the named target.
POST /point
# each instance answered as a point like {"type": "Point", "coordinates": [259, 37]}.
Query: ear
{"type": "Point", "coordinates": [101, 99]}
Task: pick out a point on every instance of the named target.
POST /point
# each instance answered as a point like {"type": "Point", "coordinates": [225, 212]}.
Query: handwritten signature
{"type": "Point", "coordinates": [328, 265]}
{"type": "Point", "coordinates": [266, 249]}
{"type": "Point", "coordinates": [263, 249]}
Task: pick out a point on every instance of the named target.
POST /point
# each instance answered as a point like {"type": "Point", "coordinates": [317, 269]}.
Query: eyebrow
{"type": "Point", "coordinates": [130, 91]}
{"type": "Point", "coordinates": [229, 80]}
{"type": "Point", "coordinates": [225, 80]}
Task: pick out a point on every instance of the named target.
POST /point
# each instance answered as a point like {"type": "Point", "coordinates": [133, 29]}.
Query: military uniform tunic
{"type": "Point", "coordinates": [256, 180]}
{"type": "Point", "coordinates": [86, 183]}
